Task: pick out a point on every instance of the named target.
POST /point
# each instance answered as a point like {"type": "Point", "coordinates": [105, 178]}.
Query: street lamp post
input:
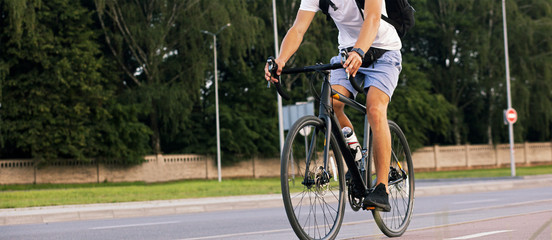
{"type": "Point", "coordinates": [216, 94]}
{"type": "Point", "coordinates": [277, 51]}
{"type": "Point", "coordinates": [508, 93]}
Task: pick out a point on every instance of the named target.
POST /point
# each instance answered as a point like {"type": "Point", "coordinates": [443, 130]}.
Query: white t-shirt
{"type": "Point", "coordinates": [348, 20]}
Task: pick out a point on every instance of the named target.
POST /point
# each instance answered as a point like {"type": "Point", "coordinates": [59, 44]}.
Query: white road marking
{"type": "Point", "coordinates": [133, 225]}
{"type": "Point", "coordinates": [364, 222]}
{"type": "Point", "coordinates": [480, 235]}
{"type": "Point", "coordinates": [476, 201]}
{"type": "Point", "coordinates": [239, 234]}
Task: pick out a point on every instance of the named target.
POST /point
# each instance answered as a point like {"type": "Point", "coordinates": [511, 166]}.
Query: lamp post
{"type": "Point", "coordinates": [508, 93]}
{"type": "Point", "coordinates": [216, 93]}
{"type": "Point", "coordinates": [277, 51]}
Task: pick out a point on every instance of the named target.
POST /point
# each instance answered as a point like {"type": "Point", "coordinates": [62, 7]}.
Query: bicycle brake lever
{"type": "Point", "coordinates": [344, 55]}
{"type": "Point", "coordinates": [272, 67]}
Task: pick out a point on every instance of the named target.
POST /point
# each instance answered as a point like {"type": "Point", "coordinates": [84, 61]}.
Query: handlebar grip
{"type": "Point", "coordinates": [272, 68]}
{"type": "Point", "coordinates": [281, 91]}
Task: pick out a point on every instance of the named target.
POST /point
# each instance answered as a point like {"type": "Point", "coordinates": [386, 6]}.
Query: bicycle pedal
{"type": "Point", "coordinates": [370, 208]}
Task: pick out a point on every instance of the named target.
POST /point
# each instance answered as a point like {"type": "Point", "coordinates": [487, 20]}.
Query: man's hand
{"type": "Point", "coordinates": [353, 63]}
{"type": "Point", "coordinates": [268, 75]}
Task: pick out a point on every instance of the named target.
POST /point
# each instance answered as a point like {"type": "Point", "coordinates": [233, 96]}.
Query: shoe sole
{"type": "Point", "coordinates": [378, 209]}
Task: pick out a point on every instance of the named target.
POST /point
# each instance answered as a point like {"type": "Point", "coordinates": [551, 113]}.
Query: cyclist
{"type": "Point", "coordinates": [359, 30]}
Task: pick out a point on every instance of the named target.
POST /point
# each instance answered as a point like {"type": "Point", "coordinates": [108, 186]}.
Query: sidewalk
{"type": "Point", "coordinates": [36, 215]}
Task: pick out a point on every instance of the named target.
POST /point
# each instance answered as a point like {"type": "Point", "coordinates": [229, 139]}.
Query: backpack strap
{"type": "Point", "coordinates": [325, 7]}
{"type": "Point", "coordinates": [360, 5]}
{"type": "Point", "coordinates": [402, 6]}
{"type": "Point", "coordinates": [390, 21]}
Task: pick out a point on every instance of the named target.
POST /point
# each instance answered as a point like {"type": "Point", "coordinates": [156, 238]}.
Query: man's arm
{"type": "Point", "coordinates": [368, 32]}
{"type": "Point", "coordinates": [292, 40]}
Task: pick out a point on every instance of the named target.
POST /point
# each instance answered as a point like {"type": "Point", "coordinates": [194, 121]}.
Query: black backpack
{"type": "Point", "coordinates": [400, 13]}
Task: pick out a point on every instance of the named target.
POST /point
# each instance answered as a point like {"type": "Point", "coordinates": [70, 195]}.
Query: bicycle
{"type": "Point", "coordinates": [312, 181]}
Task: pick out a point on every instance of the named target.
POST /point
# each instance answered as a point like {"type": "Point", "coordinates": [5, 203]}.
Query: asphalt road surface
{"type": "Point", "coordinates": [524, 213]}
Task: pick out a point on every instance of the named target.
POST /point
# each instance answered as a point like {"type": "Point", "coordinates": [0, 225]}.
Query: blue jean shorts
{"type": "Point", "coordinates": [383, 74]}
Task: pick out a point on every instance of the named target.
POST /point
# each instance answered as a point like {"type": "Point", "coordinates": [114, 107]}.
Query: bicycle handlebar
{"type": "Point", "coordinates": [273, 67]}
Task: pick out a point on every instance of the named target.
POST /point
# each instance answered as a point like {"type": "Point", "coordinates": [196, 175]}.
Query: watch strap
{"type": "Point", "coordinates": [359, 51]}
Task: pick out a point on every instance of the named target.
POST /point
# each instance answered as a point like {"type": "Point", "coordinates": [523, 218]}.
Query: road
{"type": "Point", "coordinates": [517, 213]}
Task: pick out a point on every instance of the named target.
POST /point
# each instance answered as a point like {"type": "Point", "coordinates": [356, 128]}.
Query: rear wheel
{"type": "Point", "coordinates": [313, 194]}
{"type": "Point", "coordinates": [401, 187]}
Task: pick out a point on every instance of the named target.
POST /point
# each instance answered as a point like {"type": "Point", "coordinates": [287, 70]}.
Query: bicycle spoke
{"type": "Point", "coordinates": [315, 209]}
{"type": "Point", "coordinates": [395, 222]}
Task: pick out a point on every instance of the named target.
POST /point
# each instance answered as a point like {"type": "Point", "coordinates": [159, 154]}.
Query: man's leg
{"type": "Point", "coordinates": [376, 108]}
{"type": "Point", "coordinates": [382, 79]}
{"type": "Point", "coordinates": [376, 105]}
{"type": "Point", "coordinates": [339, 106]}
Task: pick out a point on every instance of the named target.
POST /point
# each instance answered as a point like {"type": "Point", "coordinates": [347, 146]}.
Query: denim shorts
{"type": "Point", "coordinates": [383, 74]}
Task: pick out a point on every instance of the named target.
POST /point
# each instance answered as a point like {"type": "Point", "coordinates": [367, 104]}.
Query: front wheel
{"type": "Point", "coordinates": [401, 187]}
{"type": "Point", "coordinates": [312, 187]}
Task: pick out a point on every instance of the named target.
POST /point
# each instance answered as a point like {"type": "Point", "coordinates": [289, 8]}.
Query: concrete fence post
{"type": "Point", "coordinates": [160, 159]}
{"type": "Point", "coordinates": [436, 156]}
{"type": "Point", "coordinates": [206, 160]}
{"type": "Point", "coordinates": [34, 172]}
{"type": "Point", "coordinates": [97, 171]}
{"type": "Point", "coordinates": [467, 149]}
{"type": "Point", "coordinates": [525, 153]}
{"type": "Point", "coordinates": [253, 166]}
{"type": "Point", "coordinates": [496, 155]}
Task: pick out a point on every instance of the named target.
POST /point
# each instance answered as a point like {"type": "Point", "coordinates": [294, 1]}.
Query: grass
{"type": "Point", "coordinates": [482, 173]}
{"type": "Point", "coordinates": [16, 196]}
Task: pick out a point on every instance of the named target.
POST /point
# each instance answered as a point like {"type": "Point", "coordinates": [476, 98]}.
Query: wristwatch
{"type": "Point", "coordinates": [359, 51]}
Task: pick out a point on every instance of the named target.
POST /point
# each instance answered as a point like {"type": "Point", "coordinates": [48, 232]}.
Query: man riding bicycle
{"type": "Point", "coordinates": [361, 32]}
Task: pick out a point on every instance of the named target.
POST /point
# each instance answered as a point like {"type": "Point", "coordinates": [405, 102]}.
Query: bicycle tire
{"type": "Point", "coordinates": [401, 194]}
{"type": "Point", "coordinates": [314, 207]}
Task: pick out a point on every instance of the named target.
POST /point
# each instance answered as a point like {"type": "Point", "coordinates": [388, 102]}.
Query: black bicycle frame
{"type": "Point", "coordinates": [326, 113]}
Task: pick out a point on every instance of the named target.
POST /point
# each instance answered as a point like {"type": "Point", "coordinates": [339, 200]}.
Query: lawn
{"type": "Point", "coordinates": [15, 196]}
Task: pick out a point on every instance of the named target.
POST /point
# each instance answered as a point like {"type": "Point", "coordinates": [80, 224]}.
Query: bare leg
{"type": "Point", "coordinates": [339, 106]}
{"type": "Point", "coordinates": [376, 105]}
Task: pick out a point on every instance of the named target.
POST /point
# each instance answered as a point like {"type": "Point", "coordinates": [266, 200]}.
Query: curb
{"type": "Point", "coordinates": [51, 214]}
{"type": "Point", "coordinates": [456, 186]}
{"type": "Point", "coordinates": [38, 215]}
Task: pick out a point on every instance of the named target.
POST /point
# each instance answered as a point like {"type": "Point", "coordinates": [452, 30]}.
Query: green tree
{"type": "Point", "coordinates": [462, 42]}
{"type": "Point", "coordinates": [530, 43]}
{"type": "Point", "coordinates": [149, 41]}
{"type": "Point", "coordinates": [450, 36]}
{"type": "Point", "coordinates": [55, 101]}
{"type": "Point", "coordinates": [247, 108]}
{"type": "Point", "coordinates": [486, 71]}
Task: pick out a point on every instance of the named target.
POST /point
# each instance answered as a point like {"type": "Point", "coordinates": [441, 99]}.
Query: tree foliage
{"type": "Point", "coordinates": [81, 79]}
{"type": "Point", "coordinates": [144, 38]}
{"type": "Point", "coordinates": [55, 101]}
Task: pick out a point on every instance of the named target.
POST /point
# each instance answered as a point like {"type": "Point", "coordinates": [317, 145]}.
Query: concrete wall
{"type": "Point", "coordinates": [162, 168]}
{"type": "Point", "coordinates": [480, 156]}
